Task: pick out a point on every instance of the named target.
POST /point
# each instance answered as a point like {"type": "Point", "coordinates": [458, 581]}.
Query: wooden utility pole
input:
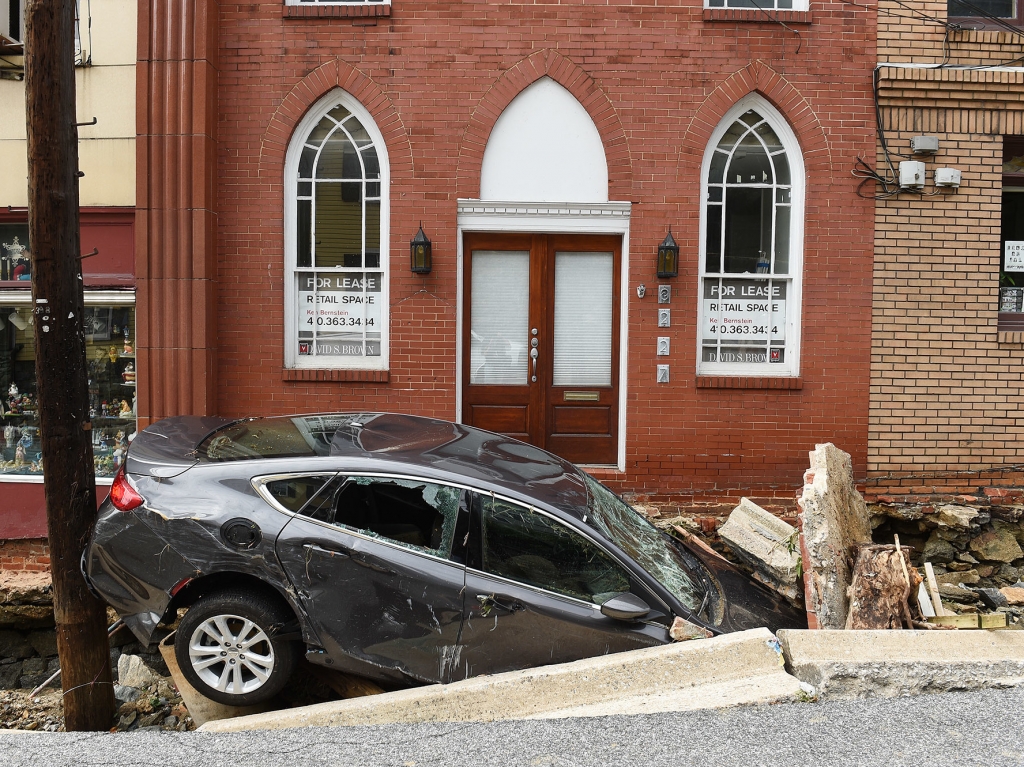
{"type": "Point", "coordinates": [62, 386]}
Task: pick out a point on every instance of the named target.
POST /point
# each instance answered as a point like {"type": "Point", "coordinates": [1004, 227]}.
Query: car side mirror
{"type": "Point", "coordinates": [625, 607]}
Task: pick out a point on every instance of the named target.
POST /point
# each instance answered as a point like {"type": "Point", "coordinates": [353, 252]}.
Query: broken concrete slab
{"type": "Point", "coordinates": [767, 545]}
{"type": "Point", "coordinates": [732, 669]}
{"type": "Point", "coordinates": [858, 664]}
{"type": "Point", "coordinates": [834, 520]}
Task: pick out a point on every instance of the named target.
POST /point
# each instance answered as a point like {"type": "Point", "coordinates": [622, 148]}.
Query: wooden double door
{"type": "Point", "coordinates": [541, 341]}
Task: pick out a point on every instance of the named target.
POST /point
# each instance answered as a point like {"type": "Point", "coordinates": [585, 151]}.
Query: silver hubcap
{"type": "Point", "coordinates": [231, 654]}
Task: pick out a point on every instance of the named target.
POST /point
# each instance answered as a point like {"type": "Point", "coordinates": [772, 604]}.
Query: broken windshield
{"type": "Point", "coordinates": [643, 542]}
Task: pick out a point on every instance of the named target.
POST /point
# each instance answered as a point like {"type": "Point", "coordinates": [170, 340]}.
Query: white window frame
{"type": "Point", "coordinates": [762, 5]}
{"type": "Point", "coordinates": [291, 167]}
{"type": "Point", "coordinates": [317, 3]}
{"type": "Point", "coordinates": [791, 366]}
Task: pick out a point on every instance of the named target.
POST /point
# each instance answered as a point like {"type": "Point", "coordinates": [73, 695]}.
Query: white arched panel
{"type": "Point", "coordinates": [544, 148]}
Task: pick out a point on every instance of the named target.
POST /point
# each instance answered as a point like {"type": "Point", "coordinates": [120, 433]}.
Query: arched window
{"type": "Point", "coordinates": [336, 234]}
{"type": "Point", "coordinates": [752, 231]}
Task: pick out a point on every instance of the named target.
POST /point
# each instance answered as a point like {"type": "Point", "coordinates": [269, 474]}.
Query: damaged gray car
{"type": "Point", "coordinates": [402, 549]}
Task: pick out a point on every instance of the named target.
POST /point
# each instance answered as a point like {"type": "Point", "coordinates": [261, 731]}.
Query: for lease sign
{"type": "Point", "coordinates": [749, 310]}
{"type": "Point", "coordinates": [339, 313]}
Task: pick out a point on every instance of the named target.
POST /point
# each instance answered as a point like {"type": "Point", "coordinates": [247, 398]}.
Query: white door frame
{"type": "Point", "coordinates": [550, 218]}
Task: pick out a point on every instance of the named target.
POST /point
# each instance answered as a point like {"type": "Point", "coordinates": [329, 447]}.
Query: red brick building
{"type": "Point", "coordinates": [289, 153]}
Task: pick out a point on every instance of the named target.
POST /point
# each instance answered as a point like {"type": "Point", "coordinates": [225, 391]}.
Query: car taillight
{"type": "Point", "coordinates": [122, 494]}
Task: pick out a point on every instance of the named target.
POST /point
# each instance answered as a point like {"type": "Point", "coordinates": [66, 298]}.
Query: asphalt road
{"type": "Point", "coordinates": [975, 728]}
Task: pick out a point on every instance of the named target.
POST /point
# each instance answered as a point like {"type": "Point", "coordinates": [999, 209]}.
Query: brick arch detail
{"type": "Point", "coordinates": [545, 63]}
{"type": "Point", "coordinates": [756, 77]}
{"type": "Point", "coordinates": [310, 89]}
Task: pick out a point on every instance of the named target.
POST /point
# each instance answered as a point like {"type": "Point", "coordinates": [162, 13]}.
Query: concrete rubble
{"type": "Point", "coordinates": [834, 520]}
{"type": "Point", "coordinates": [768, 546]}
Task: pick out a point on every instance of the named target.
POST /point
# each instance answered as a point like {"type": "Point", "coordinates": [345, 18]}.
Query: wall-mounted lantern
{"type": "Point", "coordinates": [420, 252]}
{"type": "Point", "coordinates": [668, 257]}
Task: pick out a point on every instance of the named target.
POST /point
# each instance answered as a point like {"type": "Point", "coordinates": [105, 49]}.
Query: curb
{"type": "Point", "coordinates": [732, 669]}
{"type": "Point", "coordinates": [879, 663]}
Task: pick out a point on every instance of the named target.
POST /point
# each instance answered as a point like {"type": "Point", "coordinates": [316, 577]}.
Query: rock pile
{"type": "Point", "coordinates": [975, 550]}
{"type": "Point", "coordinates": [148, 701]}
{"type": "Point", "coordinates": [28, 645]}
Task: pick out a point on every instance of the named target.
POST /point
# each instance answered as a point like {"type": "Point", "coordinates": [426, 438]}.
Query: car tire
{"type": "Point", "coordinates": [225, 647]}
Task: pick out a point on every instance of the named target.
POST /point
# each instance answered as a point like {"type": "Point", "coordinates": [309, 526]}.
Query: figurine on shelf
{"type": "Point", "coordinates": [128, 348]}
{"type": "Point", "coordinates": [26, 439]}
{"type": "Point", "coordinates": [126, 409]}
{"type": "Point", "coordinates": [19, 456]}
{"type": "Point", "coordinates": [112, 353]}
{"type": "Point", "coordinates": [12, 391]}
{"type": "Point", "coordinates": [10, 434]}
{"type": "Point", "coordinates": [129, 373]}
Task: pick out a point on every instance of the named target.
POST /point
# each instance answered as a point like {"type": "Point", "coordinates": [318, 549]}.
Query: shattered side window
{"type": "Point", "coordinates": [643, 542]}
{"type": "Point", "coordinates": [414, 514]}
{"type": "Point", "coordinates": [525, 546]}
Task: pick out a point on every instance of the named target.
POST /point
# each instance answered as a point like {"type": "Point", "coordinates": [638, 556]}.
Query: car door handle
{"type": "Point", "coordinates": [489, 601]}
{"type": "Point", "coordinates": [330, 551]}
{"type": "Point", "coordinates": [372, 564]}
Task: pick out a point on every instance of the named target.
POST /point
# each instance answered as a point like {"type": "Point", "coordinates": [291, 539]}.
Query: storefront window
{"type": "Point", "coordinates": [750, 265]}
{"type": "Point", "coordinates": [110, 357]}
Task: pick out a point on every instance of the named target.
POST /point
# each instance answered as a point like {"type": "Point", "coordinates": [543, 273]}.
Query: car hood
{"type": "Point", "coordinates": [748, 604]}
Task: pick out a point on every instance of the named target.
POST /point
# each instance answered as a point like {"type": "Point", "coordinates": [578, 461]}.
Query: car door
{"type": "Point", "coordinates": [370, 561]}
{"type": "Point", "coordinates": [533, 592]}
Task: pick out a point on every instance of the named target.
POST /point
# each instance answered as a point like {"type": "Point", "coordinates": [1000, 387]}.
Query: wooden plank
{"type": "Point", "coordinates": [992, 621]}
{"type": "Point", "coordinates": [933, 590]}
{"type": "Point", "coordinates": [969, 621]}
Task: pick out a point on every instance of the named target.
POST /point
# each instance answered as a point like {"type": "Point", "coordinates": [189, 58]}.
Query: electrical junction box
{"type": "Point", "coordinates": [924, 144]}
{"type": "Point", "coordinates": [947, 177]}
{"type": "Point", "coordinates": [911, 174]}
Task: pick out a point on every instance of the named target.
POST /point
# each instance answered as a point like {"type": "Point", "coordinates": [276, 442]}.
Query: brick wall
{"type": "Point", "coordinates": [946, 389]}
{"type": "Point", "coordinates": [656, 79]}
{"type": "Point", "coordinates": [30, 554]}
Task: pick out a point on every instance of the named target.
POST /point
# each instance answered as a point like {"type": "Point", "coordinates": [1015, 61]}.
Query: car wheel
{"type": "Point", "coordinates": [226, 650]}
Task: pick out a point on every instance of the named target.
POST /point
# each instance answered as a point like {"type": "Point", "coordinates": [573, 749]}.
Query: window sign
{"type": "Point", "coordinates": [15, 260]}
{"type": "Point", "coordinates": [1013, 256]}
{"type": "Point", "coordinates": [744, 321]}
{"type": "Point", "coordinates": [340, 314]}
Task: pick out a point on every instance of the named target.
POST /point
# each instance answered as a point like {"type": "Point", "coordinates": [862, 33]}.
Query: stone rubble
{"type": "Point", "coordinates": [976, 551]}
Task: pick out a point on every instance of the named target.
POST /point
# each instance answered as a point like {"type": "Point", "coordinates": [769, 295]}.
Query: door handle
{"type": "Point", "coordinates": [372, 565]}
{"type": "Point", "coordinates": [338, 551]}
{"type": "Point", "coordinates": [490, 601]}
{"type": "Point", "coordinates": [533, 358]}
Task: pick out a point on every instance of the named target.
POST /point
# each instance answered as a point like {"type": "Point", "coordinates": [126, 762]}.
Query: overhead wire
{"type": "Point", "coordinates": [863, 170]}
{"type": "Point", "coordinates": [799, 37]}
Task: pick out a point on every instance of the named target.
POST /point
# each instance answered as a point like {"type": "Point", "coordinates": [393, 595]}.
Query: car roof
{"type": "Point", "coordinates": [408, 442]}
